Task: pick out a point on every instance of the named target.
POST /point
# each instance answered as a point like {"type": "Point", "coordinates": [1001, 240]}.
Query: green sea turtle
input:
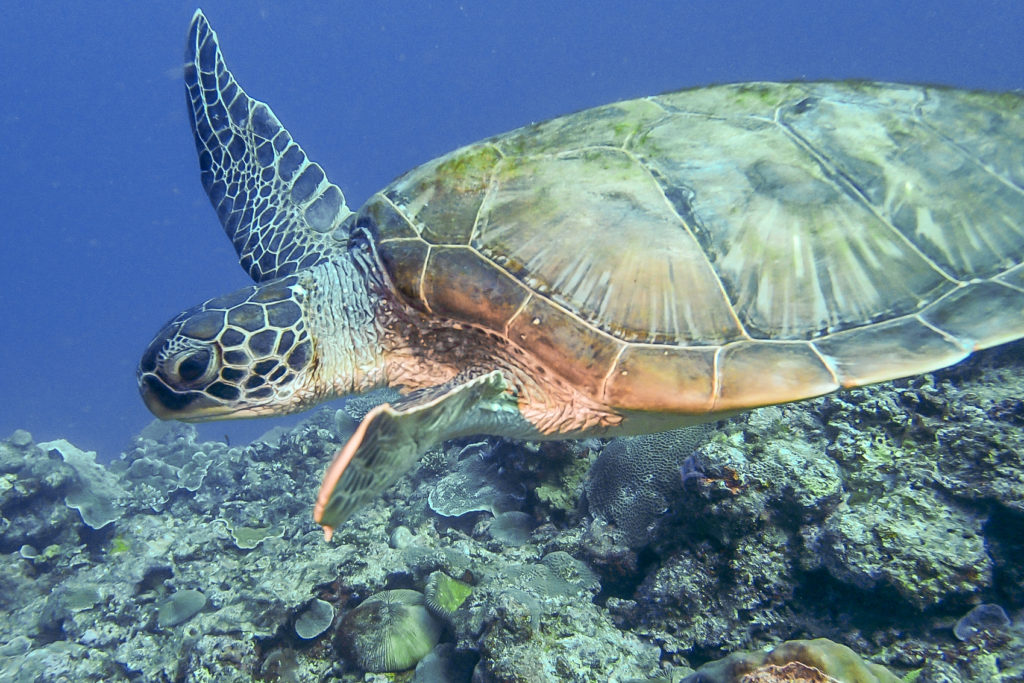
{"type": "Point", "coordinates": [625, 269]}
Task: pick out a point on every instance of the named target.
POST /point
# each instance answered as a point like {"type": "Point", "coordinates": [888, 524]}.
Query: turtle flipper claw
{"type": "Point", "coordinates": [392, 437]}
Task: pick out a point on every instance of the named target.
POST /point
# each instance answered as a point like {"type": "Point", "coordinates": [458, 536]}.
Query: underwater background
{"type": "Point", "coordinates": [889, 519]}
{"type": "Point", "coordinates": [108, 233]}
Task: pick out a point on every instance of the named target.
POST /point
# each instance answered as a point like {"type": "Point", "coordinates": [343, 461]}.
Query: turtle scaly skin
{"type": "Point", "coordinates": [627, 269]}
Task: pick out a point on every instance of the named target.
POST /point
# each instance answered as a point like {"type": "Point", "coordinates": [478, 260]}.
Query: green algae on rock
{"type": "Point", "coordinates": [443, 595]}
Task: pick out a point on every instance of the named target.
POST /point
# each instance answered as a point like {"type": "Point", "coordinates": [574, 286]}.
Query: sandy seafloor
{"type": "Point", "coordinates": [878, 518]}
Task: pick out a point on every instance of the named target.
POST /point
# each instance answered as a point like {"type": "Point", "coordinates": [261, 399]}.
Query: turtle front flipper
{"type": "Point", "coordinates": [277, 206]}
{"type": "Point", "coordinates": [392, 437]}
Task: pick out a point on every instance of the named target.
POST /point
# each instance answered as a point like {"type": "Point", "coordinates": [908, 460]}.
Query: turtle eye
{"type": "Point", "coordinates": [193, 365]}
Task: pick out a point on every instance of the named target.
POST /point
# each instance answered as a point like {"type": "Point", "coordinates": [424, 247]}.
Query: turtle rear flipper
{"type": "Point", "coordinates": [392, 437]}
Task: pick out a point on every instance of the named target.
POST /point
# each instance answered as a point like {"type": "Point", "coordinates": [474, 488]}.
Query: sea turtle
{"type": "Point", "coordinates": [629, 268]}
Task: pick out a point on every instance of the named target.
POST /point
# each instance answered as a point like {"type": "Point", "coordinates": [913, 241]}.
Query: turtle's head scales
{"type": "Point", "coordinates": [245, 354]}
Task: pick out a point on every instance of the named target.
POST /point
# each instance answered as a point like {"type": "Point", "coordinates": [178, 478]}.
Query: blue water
{"type": "Point", "coordinates": [106, 231]}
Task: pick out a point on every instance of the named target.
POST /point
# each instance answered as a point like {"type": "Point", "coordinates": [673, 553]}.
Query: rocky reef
{"type": "Point", "coordinates": [878, 531]}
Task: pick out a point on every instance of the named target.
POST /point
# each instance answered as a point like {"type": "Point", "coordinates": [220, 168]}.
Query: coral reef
{"type": "Point", "coordinates": [885, 519]}
{"type": "Point", "coordinates": [910, 539]}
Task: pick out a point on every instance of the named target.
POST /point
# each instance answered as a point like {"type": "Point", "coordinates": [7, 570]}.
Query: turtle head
{"type": "Point", "coordinates": [246, 354]}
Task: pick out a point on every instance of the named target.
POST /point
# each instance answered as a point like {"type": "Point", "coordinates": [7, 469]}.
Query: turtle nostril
{"type": "Point", "coordinates": [194, 365]}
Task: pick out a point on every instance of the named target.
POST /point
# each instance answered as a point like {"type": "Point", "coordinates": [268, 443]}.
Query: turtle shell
{"type": "Point", "coordinates": [730, 246]}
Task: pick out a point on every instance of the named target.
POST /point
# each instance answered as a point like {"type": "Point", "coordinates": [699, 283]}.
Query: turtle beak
{"type": "Point", "coordinates": [152, 396]}
{"type": "Point", "coordinates": [187, 406]}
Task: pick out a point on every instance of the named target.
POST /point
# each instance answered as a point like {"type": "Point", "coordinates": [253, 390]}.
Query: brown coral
{"type": "Point", "coordinates": [795, 661]}
{"type": "Point", "coordinates": [794, 672]}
